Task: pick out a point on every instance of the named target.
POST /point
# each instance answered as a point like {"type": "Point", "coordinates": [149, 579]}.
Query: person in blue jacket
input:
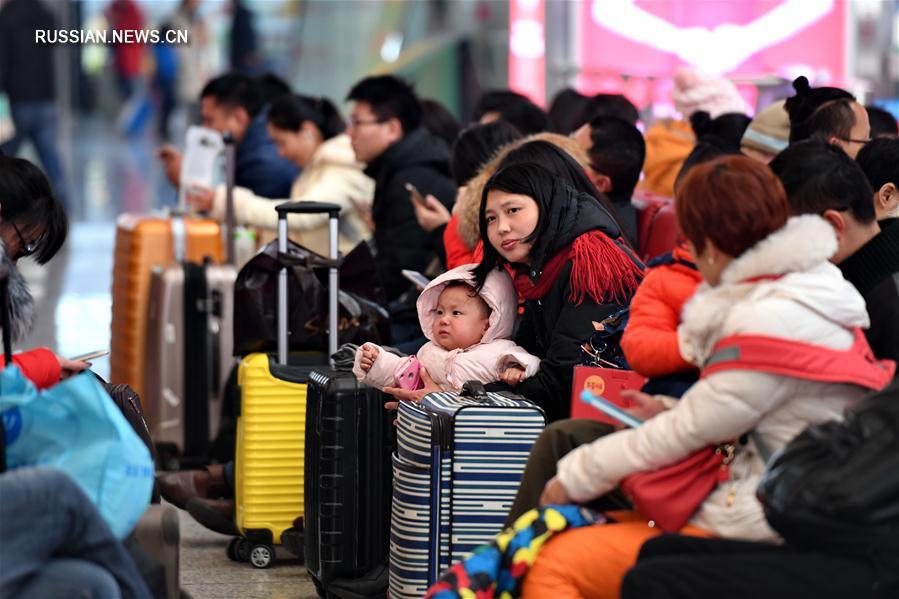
{"type": "Point", "coordinates": [235, 103]}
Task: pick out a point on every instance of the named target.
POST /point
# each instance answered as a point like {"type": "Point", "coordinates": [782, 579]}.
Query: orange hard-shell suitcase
{"type": "Point", "coordinates": [142, 242]}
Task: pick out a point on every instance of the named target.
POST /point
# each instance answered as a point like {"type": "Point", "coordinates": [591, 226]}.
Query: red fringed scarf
{"type": "Point", "coordinates": [600, 269]}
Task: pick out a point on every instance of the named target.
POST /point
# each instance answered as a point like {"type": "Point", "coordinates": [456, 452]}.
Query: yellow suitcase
{"type": "Point", "coordinates": [271, 425]}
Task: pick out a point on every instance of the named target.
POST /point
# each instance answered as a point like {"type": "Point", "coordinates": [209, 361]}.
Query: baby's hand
{"type": "Point", "coordinates": [369, 355]}
{"type": "Point", "coordinates": [512, 375]}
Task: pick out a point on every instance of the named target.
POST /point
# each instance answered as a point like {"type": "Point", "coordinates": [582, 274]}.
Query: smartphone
{"type": "Point", "coordinates": [416, 195]}
{"type": "Point", "coordinates": [90, 355]}
{"type": "Point", "coordinates": [418, 279]}
{"type": "Point", "coordinates": [605, 406]}
{"type": "Point", "coordinates": [408, 375]}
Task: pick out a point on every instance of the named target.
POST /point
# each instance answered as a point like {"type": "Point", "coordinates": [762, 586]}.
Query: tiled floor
{"type": "Point", "coordinates": [207, 573]}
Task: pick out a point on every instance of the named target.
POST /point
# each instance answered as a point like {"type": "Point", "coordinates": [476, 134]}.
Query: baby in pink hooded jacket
{"type": "Point", "coordinates": [468, 335]}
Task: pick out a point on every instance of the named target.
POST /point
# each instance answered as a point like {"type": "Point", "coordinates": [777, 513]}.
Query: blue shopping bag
{"type": "Point", "coordinates": [76, 427]}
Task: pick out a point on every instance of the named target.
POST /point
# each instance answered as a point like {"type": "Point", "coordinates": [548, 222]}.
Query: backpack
{"type": "Point", "coordinates": [835, 487]}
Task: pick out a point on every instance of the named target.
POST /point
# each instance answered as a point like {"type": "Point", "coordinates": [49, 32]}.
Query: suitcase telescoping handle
{"type": "Point", "coordinates": [230, 161]}
{"type": "Point", "coordinates": [333, 212]}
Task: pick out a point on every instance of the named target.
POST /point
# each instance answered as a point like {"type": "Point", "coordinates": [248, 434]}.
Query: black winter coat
{"type": "Point", "coordinates": [874, 270]}
{"type": "Point", "coordinates": [553, 328]}
{"type": "Point", "coordinates": [423, 160]}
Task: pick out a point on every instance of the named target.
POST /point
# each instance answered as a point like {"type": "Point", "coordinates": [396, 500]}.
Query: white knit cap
{"type": "Point", "coordinates": [694, 91]}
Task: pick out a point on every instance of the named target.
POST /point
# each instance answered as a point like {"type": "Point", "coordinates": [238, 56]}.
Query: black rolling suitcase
{"type": "Point", "coordinates": [349, 441]}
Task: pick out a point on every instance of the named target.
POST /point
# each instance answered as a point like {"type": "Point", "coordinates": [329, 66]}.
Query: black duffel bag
{"type": "Point", "coordinates": [835, 487]}
{"type": "Point", "coordinates": [361, 316]}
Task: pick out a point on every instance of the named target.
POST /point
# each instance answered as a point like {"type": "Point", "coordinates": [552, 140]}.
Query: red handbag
{"type": "Point", "coordinates": [669, 496]}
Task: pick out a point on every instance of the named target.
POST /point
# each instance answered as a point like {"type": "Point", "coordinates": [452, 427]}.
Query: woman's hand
{"type": "Point", "coordinates": [369, 355]}
{"type": "Point", "coordinates": [647, 405]}
{"type": "Point", "coordinates": [431, 214]}
{"type": "Point", "coordinates": [405, 395]}
{"type": "Point", "coordinates": [554, 493]}
{"type": "Point", "coordinates": [70, 367]}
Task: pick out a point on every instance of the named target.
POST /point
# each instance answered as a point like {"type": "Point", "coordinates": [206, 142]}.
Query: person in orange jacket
{"type": "Point", "coordinates": [650, 341]}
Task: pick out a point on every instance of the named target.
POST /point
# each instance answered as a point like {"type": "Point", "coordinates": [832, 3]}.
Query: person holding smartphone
{"type": "Point", "coordinates": [386, 133]}
{"type": "Point", "coordinates": [32, 223]}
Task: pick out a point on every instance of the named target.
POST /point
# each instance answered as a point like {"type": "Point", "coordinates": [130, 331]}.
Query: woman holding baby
{"type": "Point", "coordinates": [554, 239]}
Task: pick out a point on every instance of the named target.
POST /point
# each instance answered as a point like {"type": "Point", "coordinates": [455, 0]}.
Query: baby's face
{"type": "Point", "coordinates": [461, 319]}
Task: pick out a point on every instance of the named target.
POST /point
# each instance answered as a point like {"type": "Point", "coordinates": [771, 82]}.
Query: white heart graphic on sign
{"type": "Point", "coordinates": [715, 51]}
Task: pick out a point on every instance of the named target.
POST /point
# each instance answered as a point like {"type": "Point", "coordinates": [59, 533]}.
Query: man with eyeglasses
{"type": "Point", "coordinates": [386, 134]}
{"type": "Point", "coordinates": [829, 114]}
{"type": "Point", "coordinates": [819, 178]}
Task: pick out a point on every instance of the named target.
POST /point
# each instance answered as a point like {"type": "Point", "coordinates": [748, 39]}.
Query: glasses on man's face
{"type": "Point", "coordinates": [353, 122]}
{"type": "Point", "coordinates": [25, 249]}
{"type": "Point", "coordinates": [856, 141]}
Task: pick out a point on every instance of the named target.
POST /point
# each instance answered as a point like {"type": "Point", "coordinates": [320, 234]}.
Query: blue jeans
{"type": "Point", "coordinates": [38, 121]}
{"type": "Point", "coordinates": [53, 542]}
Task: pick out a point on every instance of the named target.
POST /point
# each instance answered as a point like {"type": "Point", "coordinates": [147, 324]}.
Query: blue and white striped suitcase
{"type": "Point", "coordinates": [459, 460]}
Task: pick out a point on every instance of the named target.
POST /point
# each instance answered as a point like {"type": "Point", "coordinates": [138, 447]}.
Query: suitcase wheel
{"type": "Point", "coordinates": [262, 556]}
{"type": "Point", "coordinates": [239, 550]}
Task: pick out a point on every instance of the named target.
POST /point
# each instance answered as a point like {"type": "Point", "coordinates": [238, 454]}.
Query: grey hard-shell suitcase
{"type": "Point", "coordinates": [189, 347]}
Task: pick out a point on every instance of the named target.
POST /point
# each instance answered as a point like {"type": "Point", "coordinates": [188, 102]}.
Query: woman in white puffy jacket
{"type": "Point", "coordinates": [765, 275]}
{"type": "Point", "coordinates": [309, 132]}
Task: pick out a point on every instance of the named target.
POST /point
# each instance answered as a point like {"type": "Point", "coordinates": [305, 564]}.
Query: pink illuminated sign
{"type": "Point", "coordinates": [527, 49]}
{"type": "Point", "coordinates": [647, 40]}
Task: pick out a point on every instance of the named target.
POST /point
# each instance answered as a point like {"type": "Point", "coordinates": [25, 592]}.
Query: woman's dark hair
{"type": "Point", "coordinates": [560, 164]}
{"type": "Point", "coordinates": [289, 111]}
{"type": "Point", "coordinates": [27, 200]}
{"type": "Point", "coordinates": [533, 169]}
{"type": "Point", "coordinates": [439, 121]}
{"type": "Point", "coordinates": [476, 145]}
{"type": "Point", "coordinates": [728, 127]}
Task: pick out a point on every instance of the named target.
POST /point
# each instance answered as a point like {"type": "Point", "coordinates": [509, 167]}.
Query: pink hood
{"type": "Point", "coordinates": [498, 292]}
